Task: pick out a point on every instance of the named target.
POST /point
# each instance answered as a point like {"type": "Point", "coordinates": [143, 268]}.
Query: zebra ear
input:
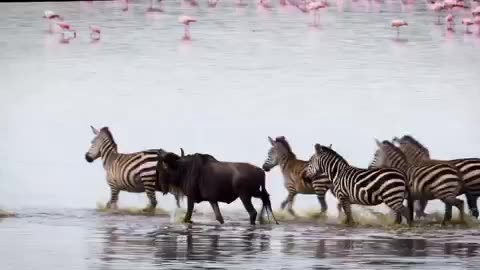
{"type": "Point", "coordinates": [182, 153]}
{"type": "Point", "coordinates": [94, 130]}
{"type": "Point", "coordinates": [379, 144]}
{"type": "Point", "coordinates": [395, 139]}
{"type": "Point", "coordinates": [330, 146]}
{"type": "Point", "coordinates": [271, 140]}
{"type": "Point", "coordinates": [318, 148]}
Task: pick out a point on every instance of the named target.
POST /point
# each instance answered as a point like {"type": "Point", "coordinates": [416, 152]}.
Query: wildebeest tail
{"type": "Point", "coordinates": [265, 197]}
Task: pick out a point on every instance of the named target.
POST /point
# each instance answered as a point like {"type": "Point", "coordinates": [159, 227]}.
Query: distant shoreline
{"type": "Point", "coordinates": [20, 1]}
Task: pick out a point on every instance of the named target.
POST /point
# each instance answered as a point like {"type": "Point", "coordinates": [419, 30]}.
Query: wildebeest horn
{"type": "Point", "coordinates": [182, 153]}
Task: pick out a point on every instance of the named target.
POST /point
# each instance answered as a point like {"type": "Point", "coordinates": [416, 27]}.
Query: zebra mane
{"type": "Point", "coordinates": [410, 140]}
{"type": "Point", "coordinates": [395, 149]}
{"type": "Point", "coordinates": [330, 151]}
{"type": "Point", "coordinates": [283, 141]}
{"type": "Point", "coordinates": [109, 135]}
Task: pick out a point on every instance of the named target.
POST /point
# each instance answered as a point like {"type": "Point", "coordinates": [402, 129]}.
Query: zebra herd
{"type": "Point", "coordinates": [400, 170]}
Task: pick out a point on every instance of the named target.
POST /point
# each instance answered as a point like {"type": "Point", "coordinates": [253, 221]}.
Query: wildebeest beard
{"type": "Point", "coordinates": [185, 173]}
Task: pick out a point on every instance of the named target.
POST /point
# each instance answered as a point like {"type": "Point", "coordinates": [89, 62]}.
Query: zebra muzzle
{"type": "Point", "coordinates": [88, 158]}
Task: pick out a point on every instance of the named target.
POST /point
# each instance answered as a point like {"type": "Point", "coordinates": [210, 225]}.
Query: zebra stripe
{"type": "Point", "coordinates": [292, 169]}
{"type": "Point", "coordinates": [426, 182]}
{"type": "Point", "coordinates": [469, 169]}
{"type": "Point", "coordinates": [353, 185]}
{"type": "Point", "coordinates": [134, 172]}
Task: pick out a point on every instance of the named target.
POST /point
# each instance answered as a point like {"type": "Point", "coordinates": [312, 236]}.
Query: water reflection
{"type": "Point", "coordinates": [235, 245]}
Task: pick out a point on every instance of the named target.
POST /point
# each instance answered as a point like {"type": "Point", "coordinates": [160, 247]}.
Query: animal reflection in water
{"type": "Point", "coordinates": [233, 244]}
{"type": "Point", "coordinates": [203, 178]}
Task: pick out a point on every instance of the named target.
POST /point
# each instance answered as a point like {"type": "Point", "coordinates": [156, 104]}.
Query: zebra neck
{"type": "Point", "coordinates": [284, 162]}
{"type": "Point", "coordinates": [335, 167]}
{"type": "Point", "coordinates": [109, 153]}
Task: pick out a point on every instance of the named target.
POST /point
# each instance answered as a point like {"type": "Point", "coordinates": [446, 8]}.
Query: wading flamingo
{"type": "Point", "coordinates": [449, 22]}
{"type": "Point", "coordinates": [315, 7]}
{"type": "Point", "coordinates": [66, 28]}
{"type": "Point", "coordinates": [95, 32]}
{"type": "Point", "coordinates": [397, 24]}
{"type": "Point", "coordinates": [51, 16]}
{"type": "Point", "coordinates": [438, 7]}
{"type": "Point", "coordinates": [265, 3]}
{"type": "Point", "coordinates": [476, 21]}
{"type": "Point", "coordinates": [186, 20]}
{"type": "Point", "coordinates": [476, 11]}
{"type": "Point", "coordinates": [212, 3]}
{"type": "Point", "coordinates": [153, 9]}
{"type": "Point", "coordinates": [467, 22]}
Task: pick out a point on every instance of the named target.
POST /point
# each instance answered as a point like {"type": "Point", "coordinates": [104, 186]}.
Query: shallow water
{"type": "Point", "coordinates": [87, 239]}
{"type": "Point", "coordinates": [247, 73]}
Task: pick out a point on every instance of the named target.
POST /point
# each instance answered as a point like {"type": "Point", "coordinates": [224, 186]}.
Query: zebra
{"type": "Point", "coordinates": [292, 168]}
{"type": "Point", "coordinates": [469, 169]}
{"type": "Point", "coordinates": [353, 185]}
{"type": "Point", "coordinates": [133, 172]}
{"type": "Point", "coordinates": [427, 181]}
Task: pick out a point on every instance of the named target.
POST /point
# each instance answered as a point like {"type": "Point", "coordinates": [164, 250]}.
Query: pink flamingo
{"type": "Point", "coordinates": [66, 28]}
{"type": "Point", "coordinates": [282, 2]}
{"type": "Point", "coordinates": [449, 22]}
{"type": "Point", "coordinates": [95, 32]}
{"type": "Point", "coordinates": [212, 3]}
{"type": "Point", "coordinates": [125, 7]}
{"type": "Point", "coordinates": [51, 16]}
{"type": "Point", "coordinates": [186, 20]}
{"type": "Point", "coordinates": [153, 9]}
{"type": "Point", "coordinates": [398, 24]}
{"type": "Point", "coordinates": [315, 6]}
{"type": "Point", "coordinates": [438, 7]}
{"type": "Point", "coordinates": [476, 11]}
{"type": "Point", "coordinates": [476, 21]}
{"type": "Point", "coordinates": [265, 3]}
{"type": "Point", "coordinates": [192, 3]}
{"type": "Point", "coordinates": [467, 22]}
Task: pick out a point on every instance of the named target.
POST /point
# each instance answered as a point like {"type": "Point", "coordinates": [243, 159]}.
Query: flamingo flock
{"type": "Point", "coordinates": [306, 6]}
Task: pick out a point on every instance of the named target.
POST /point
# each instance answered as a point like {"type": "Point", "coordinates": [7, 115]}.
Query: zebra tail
{"type": "Point", "coordinates": [265, 197]}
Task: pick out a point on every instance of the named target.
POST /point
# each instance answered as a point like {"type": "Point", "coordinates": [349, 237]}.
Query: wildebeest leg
{"type": "Point", "coordinates": [188, 215]}
{"type": "Point", "coordinates": [323, 203]}
{"type": "Point", "coordinates": [149, 185]}
{"type": "Point", "coordinates": [472, 204]}
{"type": "Point", "coordinates": [218, 215]}
{"type": "Point", "coordinates": [177, 199]}
{"type": "Point", "coordinates": [247, 202]}
{"type": "Point", "coordinates": [113, 198]}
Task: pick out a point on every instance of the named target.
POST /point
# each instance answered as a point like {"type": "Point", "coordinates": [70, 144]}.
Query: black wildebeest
{"type": "Point", "coordinates": [203, 178]}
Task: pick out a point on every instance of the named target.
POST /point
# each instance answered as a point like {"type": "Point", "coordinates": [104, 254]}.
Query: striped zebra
{"type": "Point", "coordinates": [134, 172]}
{"type": "Point", "coordinates": [469, 169]}
{"type": "Point", "coordinates": [292, 168]}
{"type": "Point", "coordinates": [426, 181]}
{"type": "Point", "coordinates": [353, 185]}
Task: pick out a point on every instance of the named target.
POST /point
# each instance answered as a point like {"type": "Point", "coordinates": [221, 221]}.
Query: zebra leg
{"type": "Point", "coordinates": [472, 204]}
{"type": "Point", "coordinates": [188, 215]}
{"type": "Point", "coordinates": [149, 185]}
{"type": "Point", "coordinates": [411, 206]}
{"type": "Point", "coordinates": [113, 198]}
{"type": "Point", "coordinates": [284, 203]}
{"type": "Point", "coordinates": [448, 206]}
{"type": "Point", "coordinates": [323, 203]}
{"type": "Point", "coordinates": [405, 212]}
{"type": "Point", "coordinates": [420, 208]}
{"type": "Point", "coordinates": [216, 210]}
{"type": "Point", "coordinates": [291, 197]}
{"type": "Point", "coordinates": [347, 208]}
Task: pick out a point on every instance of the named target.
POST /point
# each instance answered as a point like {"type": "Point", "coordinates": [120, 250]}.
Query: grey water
{"type": "Point", "coordinates": [247, 73]}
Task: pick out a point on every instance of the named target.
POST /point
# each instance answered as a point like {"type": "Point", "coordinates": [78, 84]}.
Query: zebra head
{"type": "Point", "coordinates": [276, 154]}
{"type": "Point", "coordinates": [379, 158]}
{"type": "Point", "coordinates": [413, 149]}
{"type": "Point", "coordinates": [102, 141]}
{"type": "Point", "coordinates": [314, 165]}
